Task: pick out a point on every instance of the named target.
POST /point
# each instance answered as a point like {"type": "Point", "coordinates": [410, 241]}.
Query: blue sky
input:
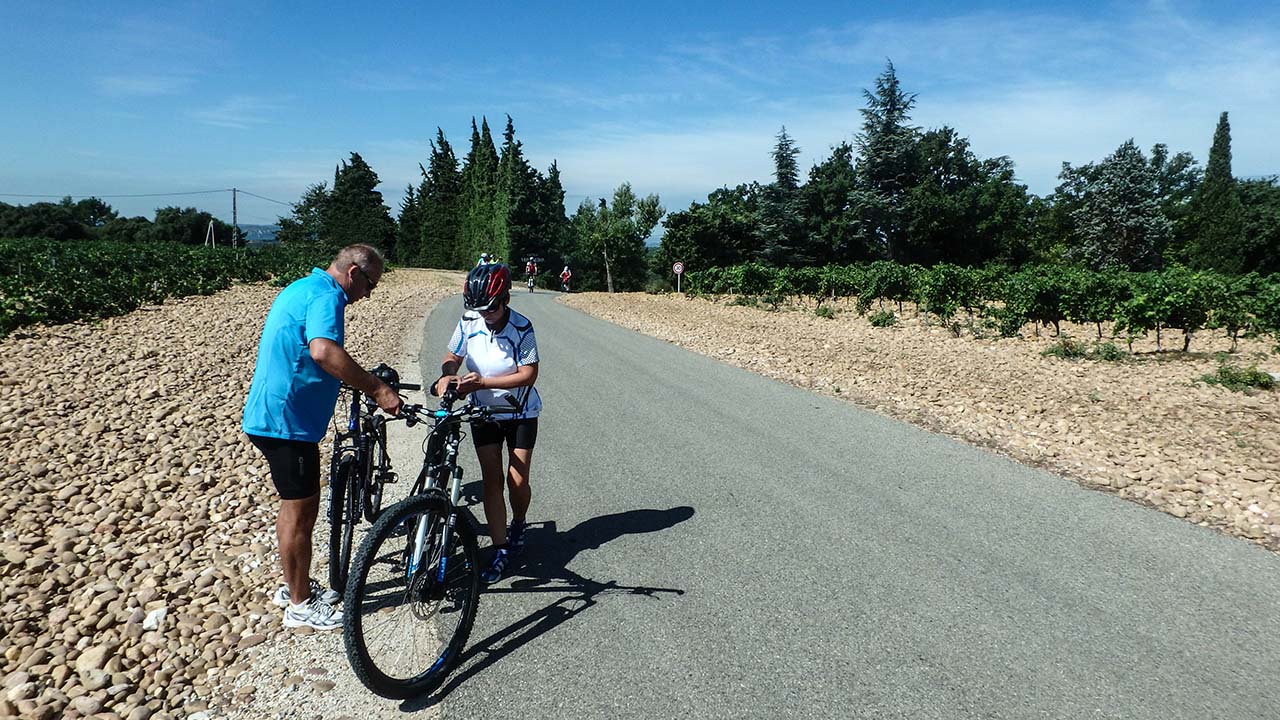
{"type": "Point", "coordinates": [676, 98]}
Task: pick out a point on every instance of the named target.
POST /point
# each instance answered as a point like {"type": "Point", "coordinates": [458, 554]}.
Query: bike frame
{"type": "Point", "coordinates": [445, 476]}
{"type": "Point", "coordinates": [448, 428]}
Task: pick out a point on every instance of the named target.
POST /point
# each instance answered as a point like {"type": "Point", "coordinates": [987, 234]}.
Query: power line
{"type": "Point", "coordinates": [246, 192]}
{"type": "Point", "coordinates": [146, 195]}
{"type": "Point", "coordinates": [85, 197]}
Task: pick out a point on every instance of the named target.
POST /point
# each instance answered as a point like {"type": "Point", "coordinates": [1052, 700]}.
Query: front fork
{"type": "Point", "coordinates": [421, 541]}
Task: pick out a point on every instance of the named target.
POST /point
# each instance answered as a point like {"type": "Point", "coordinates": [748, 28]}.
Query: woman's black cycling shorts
{"type": "Point", "coordinates": [521, 434]}
{"type": "Point", "coordinates": [295, 465]}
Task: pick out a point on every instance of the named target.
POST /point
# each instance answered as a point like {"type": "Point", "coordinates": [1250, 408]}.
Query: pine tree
{"type": "Point", "coordinates": [828, 219]}
{"type": "Point", "coordinates": [1215, 222]}
{"type": "Point", "coordinates": [1115, 215]}
{"type": "Point", "coordinates": [355, 212]}
{"type": "Point", "coordinates": [306, 224]}
{"type": "Point", "coordinates": [441, 197]}
{"type": "Point", "coordinates": [962, 209]}
{"type": "Point", "coordinates": [886, 166]}
{"type": "Point", "coordinates": [619, 237]}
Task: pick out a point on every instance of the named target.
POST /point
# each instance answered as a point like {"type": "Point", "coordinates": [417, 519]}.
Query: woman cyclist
{"type": "Point", "coordinates": [498, 348]}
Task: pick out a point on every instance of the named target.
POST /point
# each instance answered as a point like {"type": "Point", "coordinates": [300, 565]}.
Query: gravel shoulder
{"type": "Point", "coordinates": [1143, 428]}
{"type": "Point", "coordinates": [138, 547]}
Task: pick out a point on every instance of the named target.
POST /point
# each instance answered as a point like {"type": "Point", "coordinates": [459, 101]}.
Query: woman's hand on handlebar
{"type": "Point", "coordinates": [442, 385]}
{"type": "Point", "coordinates": [469, 383]}
{"type": "Point", "coordinates": [462, 384]}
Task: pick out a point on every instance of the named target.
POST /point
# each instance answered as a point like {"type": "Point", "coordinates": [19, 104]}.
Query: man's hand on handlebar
{"type": "Point", "coordinates": [388, 399]}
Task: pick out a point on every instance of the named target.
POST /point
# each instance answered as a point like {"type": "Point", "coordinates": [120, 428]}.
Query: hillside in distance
{"type": "Point", "coordinates": [259, 233]}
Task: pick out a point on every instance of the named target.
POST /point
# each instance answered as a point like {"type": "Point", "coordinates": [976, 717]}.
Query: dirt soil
{"type": "Point", "coordinates": [1144, 427]}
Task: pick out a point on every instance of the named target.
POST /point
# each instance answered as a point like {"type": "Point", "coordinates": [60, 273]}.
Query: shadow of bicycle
{"type": "Point", "coordinates": [544, 568]}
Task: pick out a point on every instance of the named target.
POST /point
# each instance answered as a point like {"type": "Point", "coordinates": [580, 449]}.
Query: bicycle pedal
{"type": "Point", "coordinates": [390, 478]}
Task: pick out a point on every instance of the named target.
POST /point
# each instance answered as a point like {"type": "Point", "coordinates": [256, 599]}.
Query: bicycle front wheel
{"type": "Point", "coordinates": [411, 599]}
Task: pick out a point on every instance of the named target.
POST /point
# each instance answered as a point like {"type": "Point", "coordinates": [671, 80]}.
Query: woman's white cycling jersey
{"type": "Point", "coordinates": [493, 354]}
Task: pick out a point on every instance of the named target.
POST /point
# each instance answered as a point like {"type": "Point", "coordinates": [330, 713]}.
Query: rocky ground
{"type": "Point", "coordinates": [1143, 427]}
{"type": "Point", "coordinates": [138, 548]}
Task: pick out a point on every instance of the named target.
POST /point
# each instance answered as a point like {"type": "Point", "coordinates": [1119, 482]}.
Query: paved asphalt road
{"type": "Point", "coordinates": [708, 543]}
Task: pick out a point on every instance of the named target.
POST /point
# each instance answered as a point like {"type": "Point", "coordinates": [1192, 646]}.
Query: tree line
{"type": "Point", "coordinates": [898, 193]}
{"type": "Point", "coordinates": [491, 201]}
{"type": "Point", "coordinates": [93, 219]}
{"type": "Point", "coordinates": [914, 196]}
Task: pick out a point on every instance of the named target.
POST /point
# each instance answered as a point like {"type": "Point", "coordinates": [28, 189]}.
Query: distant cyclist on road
{"type": "Point", "coordinates": [530, 273]}
{"type": "Point", "coordinates": [564, 278]}
{"type": "Point", "coordinates": [484, 259]}
{"type": "Point", "coordinates": [500, 353]}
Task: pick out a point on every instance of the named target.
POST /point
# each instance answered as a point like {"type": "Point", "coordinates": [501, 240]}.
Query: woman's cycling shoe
{"type": "Point", "coordinates": [496, 568]}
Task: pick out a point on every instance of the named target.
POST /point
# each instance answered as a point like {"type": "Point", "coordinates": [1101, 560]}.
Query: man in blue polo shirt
{"type": "Point", "coordinates": [301, 366]}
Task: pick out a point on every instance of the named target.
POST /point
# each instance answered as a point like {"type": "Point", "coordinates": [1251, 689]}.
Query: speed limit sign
{"type": "Point", "coordinates": [678, 268]}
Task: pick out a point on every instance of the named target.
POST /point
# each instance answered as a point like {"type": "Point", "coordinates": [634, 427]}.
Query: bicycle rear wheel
{"type": "Point", "coordinates": [344, 513]}
{"type": "Point", "coordinates": [373, 493]}
{"type": "Point", "coordinates": [404, 627]}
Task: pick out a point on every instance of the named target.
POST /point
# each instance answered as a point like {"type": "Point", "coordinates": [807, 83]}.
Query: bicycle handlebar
{"type": "Point", "coordinates": [414, 414]}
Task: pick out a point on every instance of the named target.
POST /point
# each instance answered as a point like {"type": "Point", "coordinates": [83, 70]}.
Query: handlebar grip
{"type": "Point", "coordinates": [408, 386]}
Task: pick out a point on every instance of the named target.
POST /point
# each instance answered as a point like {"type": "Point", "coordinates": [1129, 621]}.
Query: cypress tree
{"type": "Point", "coordinates": [441, 198]}
{"type": "Point", "coordinates": [1215, 223]}
{"type": "Point", "coordinates": [781, 212]}
{"type": "Point", "coordinates": [479, 188]}
{"type": "Point", "coordinates": [553, 225]}
{"type": "Point", "coordinates": [516, 206]}
{"type": "Point", "coordinates": [408, 229]}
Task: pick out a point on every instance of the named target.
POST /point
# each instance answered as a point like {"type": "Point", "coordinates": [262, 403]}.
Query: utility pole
{"type": "Point", "coordinates": [235, 223]}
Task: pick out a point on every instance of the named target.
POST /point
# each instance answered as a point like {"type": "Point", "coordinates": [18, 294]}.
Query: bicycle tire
{"type": "Point", "coordinates": [352, 513]}
{"type": "Point", "coordinates": [385, 617]}
{"type": "Point", "coordinates": [339, 479]}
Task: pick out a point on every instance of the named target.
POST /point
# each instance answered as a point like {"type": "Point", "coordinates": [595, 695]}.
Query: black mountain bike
{"type": "Point", "coordinates": [415, 581]}
{"type": "Point", "coordinates": [358, 472]}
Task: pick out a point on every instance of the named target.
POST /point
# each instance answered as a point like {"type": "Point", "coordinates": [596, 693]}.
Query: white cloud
{"type": "Point", "coordinates": [240, 112]}
{"type": "Point", "coordinates": [1042, 89]}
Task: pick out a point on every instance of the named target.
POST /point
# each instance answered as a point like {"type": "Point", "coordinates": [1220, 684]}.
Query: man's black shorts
{"type": "Point", "coordinates": [295, 465]}
{"type": "Point", "coordinates": [521, 434]}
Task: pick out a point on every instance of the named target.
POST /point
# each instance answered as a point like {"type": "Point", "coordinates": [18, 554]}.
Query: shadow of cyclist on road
{"type": "Point", "coordinates": [544, 568]}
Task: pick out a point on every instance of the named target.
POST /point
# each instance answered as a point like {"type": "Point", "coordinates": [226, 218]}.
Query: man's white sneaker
{"type": "Point", "coordinates": [314, 614]}
{"type": "Point", "coordinates": [328, 597]}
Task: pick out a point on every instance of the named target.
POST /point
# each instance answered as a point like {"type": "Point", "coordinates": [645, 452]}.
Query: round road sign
{"type": "Point", "coordinates": [678, 268]}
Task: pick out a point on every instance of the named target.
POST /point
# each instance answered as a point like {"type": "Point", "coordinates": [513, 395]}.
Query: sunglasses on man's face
{"type": "Point", "coordinates": [367, 280]}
